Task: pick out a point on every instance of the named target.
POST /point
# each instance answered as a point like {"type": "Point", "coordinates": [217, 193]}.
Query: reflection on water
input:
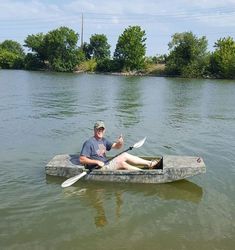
{"type": "Point", "coordinates": [57, 104]}
{"type": "Point", "coordinates": [181, 190]}
{"type": "Point", "coordinates": [96, 198]}
{"type": "Point", "coordinates": [58, 107]}
{"type": "Point", "coordinates": [183, 97]}
{"type": "Point", "coordinates": [97, 194]}
{"type": "Point", "coordinates": [129, 102]}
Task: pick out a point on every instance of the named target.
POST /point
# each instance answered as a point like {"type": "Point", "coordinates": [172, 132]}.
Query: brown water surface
{"type": "Point", "coordinates": [44, 114]}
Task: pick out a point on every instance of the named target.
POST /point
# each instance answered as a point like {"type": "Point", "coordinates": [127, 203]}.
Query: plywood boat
{"type": "Point", "coordinates": [170, 168]}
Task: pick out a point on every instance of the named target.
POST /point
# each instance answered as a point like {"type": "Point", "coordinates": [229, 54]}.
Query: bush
{"type": "Point", "coordinates": [10, 60]}
{"type": "Point", "coordinates": [105, 65]}
{"type": "Point", "coordinates": [32, 62]}
{"type": "Point", "coordinates": [89, 65]}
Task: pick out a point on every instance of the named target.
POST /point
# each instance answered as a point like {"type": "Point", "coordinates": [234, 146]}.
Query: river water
{"type": "Point", "coordinates": [45, 114]}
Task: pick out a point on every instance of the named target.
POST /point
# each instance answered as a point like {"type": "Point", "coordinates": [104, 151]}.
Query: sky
{"type": "Point", "coordinates": [214, 19]}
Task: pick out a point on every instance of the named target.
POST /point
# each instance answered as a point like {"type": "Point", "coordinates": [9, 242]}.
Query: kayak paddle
{"type": "Point", "coordinates": [75, 178]}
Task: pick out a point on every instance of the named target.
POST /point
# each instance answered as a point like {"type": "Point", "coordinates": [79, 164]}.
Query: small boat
{"type": "Point", "coordinates": [169, 168]}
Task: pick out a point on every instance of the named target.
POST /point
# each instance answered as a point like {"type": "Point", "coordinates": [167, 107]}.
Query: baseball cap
{"type": "Point", "coordinates": [99, 124]}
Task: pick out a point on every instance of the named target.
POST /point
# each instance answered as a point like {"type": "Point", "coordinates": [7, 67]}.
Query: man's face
{"type": "Point", "coordinates": [99, 132]}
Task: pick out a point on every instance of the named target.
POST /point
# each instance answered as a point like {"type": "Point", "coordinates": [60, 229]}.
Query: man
{"type": "Point", "coordinates": [94, 153]}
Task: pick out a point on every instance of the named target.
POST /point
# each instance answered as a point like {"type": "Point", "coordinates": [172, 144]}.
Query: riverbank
{"type": "Point", "coordinates": [151, 70]}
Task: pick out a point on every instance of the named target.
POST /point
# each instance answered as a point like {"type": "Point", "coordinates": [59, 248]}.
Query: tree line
{"type": "Point", "coordinates": [57, 50]}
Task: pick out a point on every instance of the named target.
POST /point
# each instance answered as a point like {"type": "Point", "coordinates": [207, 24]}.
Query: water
{"type": "Point", "coordinates": [44, 114]}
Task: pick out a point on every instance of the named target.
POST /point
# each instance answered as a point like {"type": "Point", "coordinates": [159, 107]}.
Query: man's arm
{"type": "Point", "coordinates": [87, 161]}
{"type": "Point", "coordinates": [119, 143]}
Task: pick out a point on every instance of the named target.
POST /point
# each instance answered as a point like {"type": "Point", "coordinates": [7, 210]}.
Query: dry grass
{"type": "Point", "coordinates": [155, 69]}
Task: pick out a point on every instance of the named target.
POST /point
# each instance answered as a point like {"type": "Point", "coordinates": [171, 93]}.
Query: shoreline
{"type": "Point", "coordinates": [130, 73]}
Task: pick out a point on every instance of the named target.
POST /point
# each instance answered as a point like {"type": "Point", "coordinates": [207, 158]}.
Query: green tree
{"type": "Point", "coordinates": [188, 55]}
{"type": "Point", "coordinates": [160, 59]}
{"type": "Point", "coordinates": [32, 62]}
{"type": "Point", "coordinates": [99, 47]}
{"type": "Point", "coordinates": [86, 48]}
{"type": "Point", "coordinates": [12, 46]}
{"type": "Point", "coordinates": [57, 49]}
{"type": "Point", "coordinates": [222, 62]}
{"type": "Point", "coordinates": [130, 49]}
{"type": "Point", "coordinates": [7, 59]}
{"type": "Point", "coordinates": [11, 55]}
{"type": "Point", "coordinates": [105, 65]}
{"type": "Point", "coordinates": [61, 49]}
{"type": "Point", "coordinates": [37, 45]}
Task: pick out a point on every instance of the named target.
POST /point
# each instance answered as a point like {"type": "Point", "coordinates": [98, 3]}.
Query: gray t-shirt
{"type": "Point", "coordinates": [96, 149]}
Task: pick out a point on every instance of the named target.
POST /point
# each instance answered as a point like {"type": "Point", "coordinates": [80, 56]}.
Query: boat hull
{"type": "Point", "coordinates": [173, 168]}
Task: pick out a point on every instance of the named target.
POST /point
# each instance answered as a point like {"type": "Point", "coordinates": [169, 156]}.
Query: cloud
{"type": "Point", "coordinates": [210, 12]}
{"type": "Point", "coordinates": [160, 19]}
{"type": "Point", "coordinates": [141, 11]}
{"type": "Point", "coordinates": [115, 20]}
{"type": "Point", "coordinates": [207, 3]}
{"type": "Point", "coordinates": [33, 9]}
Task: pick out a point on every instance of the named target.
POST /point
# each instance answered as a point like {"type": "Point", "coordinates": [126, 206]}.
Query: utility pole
{"type": "Point", "coordinates": [82, 33]}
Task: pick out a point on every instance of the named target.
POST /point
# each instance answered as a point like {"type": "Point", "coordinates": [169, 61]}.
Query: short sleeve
{"type": "Point", "coordinates": [108, 144]}
{"type": "Point", "coordinates": [86, 149]}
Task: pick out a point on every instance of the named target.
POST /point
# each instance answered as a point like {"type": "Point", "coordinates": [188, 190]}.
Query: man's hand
{"type": "Point", "coordinates": [87, 161]}
{"type": "Point", "coordinates": [119, 142]}
{"type": "Point", "coordinates": [100, 163]}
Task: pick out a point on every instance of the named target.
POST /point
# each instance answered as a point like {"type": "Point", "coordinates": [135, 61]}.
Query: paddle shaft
{"type": "Point", "coordinates": [74, 179]}
{"type": "Point", "coordinates": [130, 148]}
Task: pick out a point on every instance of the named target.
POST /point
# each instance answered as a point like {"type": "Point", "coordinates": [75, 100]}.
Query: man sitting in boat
{"type": "Point", "coordinates": [93, 153]}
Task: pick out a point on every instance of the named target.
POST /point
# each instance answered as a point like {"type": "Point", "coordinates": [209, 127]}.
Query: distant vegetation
{"type": "Point", "coordinates": [58, 51]}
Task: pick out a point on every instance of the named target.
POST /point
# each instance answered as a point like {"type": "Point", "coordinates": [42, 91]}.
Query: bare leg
{"type": "Point", "coordinates": [132, 159]}
{"type": "Point", "coordinates": [125, 161]}
{"type": "Point", "coordinates": [124, 165]}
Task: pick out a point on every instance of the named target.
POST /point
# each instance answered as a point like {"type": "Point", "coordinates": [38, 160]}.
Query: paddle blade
{"type": "Point", "coordinates": [72, 180]}
{"type": "Point", "coordinates": [139, 143]}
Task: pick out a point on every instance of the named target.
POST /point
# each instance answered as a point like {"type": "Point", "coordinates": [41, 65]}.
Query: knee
{"type": "Point", "coordinates": [123, 157]}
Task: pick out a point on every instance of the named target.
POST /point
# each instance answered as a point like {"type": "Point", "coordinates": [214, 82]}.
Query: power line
{"type": "Point", "coordinates": [189, 14]}
{"type": "Point", "coordinates": [18, 26]}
